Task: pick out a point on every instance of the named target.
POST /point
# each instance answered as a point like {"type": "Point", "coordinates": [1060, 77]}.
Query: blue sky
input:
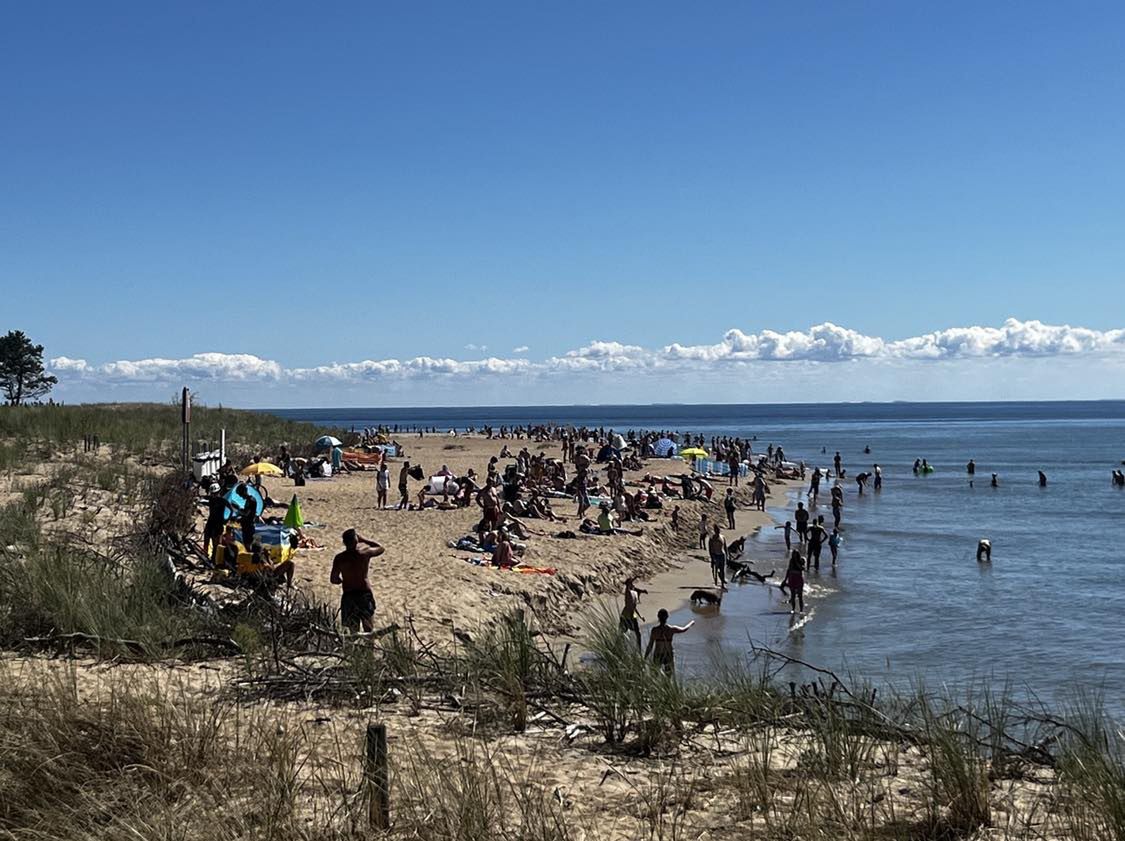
{"type": "Point", "coordinates": [313, 186]}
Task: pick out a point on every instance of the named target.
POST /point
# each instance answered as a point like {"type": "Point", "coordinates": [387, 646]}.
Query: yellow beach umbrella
{"type": "Point", "coordinates": [262, 468]}
{"type": "Point", "coordinates": [693, 452]}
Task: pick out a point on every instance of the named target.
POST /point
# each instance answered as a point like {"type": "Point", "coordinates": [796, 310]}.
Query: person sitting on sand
{"type": "Point", "coordinates": [503, 556]}
{"type": "Point", "coordinates": [349, 570]}
{"type": "Point", "coordinates": [660, 642]}
{"type": "Point", "coordinates": [264, 571]}
{"type": "Point", "coordinates": [630, 615]}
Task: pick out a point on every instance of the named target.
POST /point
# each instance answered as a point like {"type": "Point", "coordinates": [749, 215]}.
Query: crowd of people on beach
{"type": "Point", "coordinates": [608, 476]}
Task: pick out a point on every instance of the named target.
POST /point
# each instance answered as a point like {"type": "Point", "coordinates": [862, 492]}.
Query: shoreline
{"type": "Point", "coordinates": [691, 569]}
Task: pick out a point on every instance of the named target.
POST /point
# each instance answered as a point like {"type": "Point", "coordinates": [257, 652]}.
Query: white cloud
{"type": "Point", "coordinates": [223, 367]}
{"type": "Point", "coordinates": [476, 348]}
{"type": "Point", "coordinates": [521, 349]}
{"type": "Point", "coordinates": [822, 343]}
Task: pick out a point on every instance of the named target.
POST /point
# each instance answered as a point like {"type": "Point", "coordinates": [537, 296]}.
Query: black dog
{"type": "Point", "coordinates": [706, 597]}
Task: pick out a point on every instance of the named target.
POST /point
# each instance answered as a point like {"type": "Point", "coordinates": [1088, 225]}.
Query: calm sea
{"type": "Point", "coordinates": [908, 600]}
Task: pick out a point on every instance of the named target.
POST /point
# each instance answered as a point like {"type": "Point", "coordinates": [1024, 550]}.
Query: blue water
{"type": "Point", "coordinates": [908, 600]}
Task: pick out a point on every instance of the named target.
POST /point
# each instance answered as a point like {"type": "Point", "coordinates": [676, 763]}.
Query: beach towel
{"type": "Point", "coordinates": [293, 518]}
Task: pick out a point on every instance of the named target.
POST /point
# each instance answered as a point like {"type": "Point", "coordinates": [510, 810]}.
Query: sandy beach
{"type": "Point", "coordinates": [422, 579]}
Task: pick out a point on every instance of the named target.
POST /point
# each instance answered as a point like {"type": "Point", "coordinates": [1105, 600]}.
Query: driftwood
{"type": "Point", "coordinates": [135, 646]}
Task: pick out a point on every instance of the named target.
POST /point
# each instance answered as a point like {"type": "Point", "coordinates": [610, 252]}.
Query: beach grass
{"type": "Point", "coordinates": [816, 760]}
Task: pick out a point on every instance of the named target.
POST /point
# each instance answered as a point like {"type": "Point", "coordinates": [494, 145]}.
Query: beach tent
{"type": "Point", "coordinates": [664, 448]}
{"type": "Point", "coordinates": [606, 453]}
{"type": "Point", "coordinates": [236, 500]}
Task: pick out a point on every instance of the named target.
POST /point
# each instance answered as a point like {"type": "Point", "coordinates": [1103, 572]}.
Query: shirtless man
{"type": "Point", "coordinates": [801, 516]}
{"type": "Point", "coordinates": [660, 642]}
{"type": "Point", "coordinates": [630, 616]}
{"type": "Point", "coordinates": [349, 570]}
{"type": "Point", "coordinates": [717, 549]}
{"type": "Point", "coordinates": [489, 500]}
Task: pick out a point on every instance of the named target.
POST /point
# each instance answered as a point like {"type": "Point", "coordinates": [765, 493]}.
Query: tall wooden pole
{"type": "Point", "coordinates": [185, 418]}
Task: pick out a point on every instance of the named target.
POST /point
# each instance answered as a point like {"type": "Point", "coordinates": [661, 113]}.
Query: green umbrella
{"type": "Point", "coordinates": [293, 518]}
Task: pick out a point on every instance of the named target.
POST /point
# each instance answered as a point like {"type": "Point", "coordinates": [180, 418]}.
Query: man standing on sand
{"type": "Point", "coordinates": [404, 486]}
{"type": "Point", "coordinates": [349, 570]}
{"type": "Point", "coordinates": [630, 616]}
{"type": "Point", "coordinates": [717, 549]}
{"type": "Point", "coordinates": [729, 506]}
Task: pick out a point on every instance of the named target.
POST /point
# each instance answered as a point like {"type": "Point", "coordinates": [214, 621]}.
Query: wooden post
{"type": "Point", "coordinates": [378, 782]}
{"type": "Point", "coordinates": [185, 418]}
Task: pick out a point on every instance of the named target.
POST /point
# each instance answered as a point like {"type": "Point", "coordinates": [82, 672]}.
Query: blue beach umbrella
{"type": "Point", "coordinates": [327, 442]}
{"type": "Point", "coordinates": [664, 447]}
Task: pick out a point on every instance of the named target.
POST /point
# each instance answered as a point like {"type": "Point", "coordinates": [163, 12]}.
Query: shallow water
{"type": "Point", "coordinates": [908, 599]}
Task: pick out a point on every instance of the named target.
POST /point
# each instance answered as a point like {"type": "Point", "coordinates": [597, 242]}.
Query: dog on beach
{"type": "Point", "coordinates": [706, 597]}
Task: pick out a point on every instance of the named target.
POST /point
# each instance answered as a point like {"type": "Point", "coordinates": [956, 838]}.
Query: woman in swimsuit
{"type": "Point", "coordinates": [660, 642]}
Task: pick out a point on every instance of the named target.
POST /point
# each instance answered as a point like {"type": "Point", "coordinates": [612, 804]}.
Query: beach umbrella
{"type": "Point", "coordinates": [693, 452]}
{"type": "Point", "coordinates": [293, 518]}
{"type": "Point", "coordinates": [664, 447]}
{"type": "Point", "coordinates": [262, 468]}
{"type": "Point", "coordinates": [327, 442]}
